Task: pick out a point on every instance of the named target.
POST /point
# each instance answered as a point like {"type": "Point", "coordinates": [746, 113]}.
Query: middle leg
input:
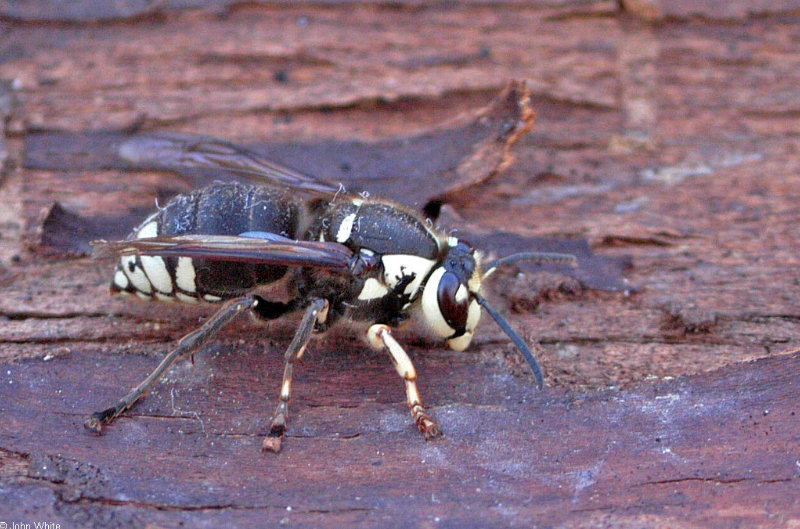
{"type": "Point", "coordinates": [316, 312]}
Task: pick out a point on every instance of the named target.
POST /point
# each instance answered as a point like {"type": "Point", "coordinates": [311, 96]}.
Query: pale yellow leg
{"type": "Point", "coordinates": [380, 337]}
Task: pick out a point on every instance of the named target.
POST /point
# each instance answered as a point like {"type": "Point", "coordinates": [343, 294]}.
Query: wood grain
{"type": "Point", "coordinates": [666, 131]}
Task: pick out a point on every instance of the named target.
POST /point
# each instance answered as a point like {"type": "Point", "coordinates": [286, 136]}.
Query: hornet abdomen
{"type": "Point", "coordinates": [220, 209]}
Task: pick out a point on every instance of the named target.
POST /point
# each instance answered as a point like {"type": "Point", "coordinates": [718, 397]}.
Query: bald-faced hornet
{"type": "Point", "coordinates": [341, 256]}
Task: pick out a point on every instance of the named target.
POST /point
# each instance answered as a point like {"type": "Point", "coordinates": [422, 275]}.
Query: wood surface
{"type": "Point", "coordinates": [665, 137]}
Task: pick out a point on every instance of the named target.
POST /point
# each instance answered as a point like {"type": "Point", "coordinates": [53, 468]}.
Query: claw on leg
{"type": "Point", "coordinates": [380, 337]}
{"type": "Point", "coordinates": [95, 422]}
{"type": "Point", "coordinates": [425, 424]}
{"type": "Point", "coordinates": [272, 442]}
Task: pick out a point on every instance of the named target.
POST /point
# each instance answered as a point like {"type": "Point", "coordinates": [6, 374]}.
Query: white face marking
{"type": "Point", "coordinates": [121, 280]}
{"type": "Point", "coordinates": [461, 294]}
{"type": "Point", "coordinates": [430, 305]}
{"type": "Point", "coordinates": [135, 274]}
{"type": "Point", "coordinates": [460, 343]}
{"type": "Point", "coordinates": [186, 299]}
{"type": "Point", "coordinates": [157, 273]}
{"type": "Point", "coordinates": [435, 320]}
{"type": "Point", "coordinates": [148, 230]}
{"type": "Point", "coordinates": [357, 202]}
{"type": "Point", "coordinates": [473, 317]}
{"type": "Point", "coordinates": [372, 289]}
{"type": "Point", "coordinates": [212, 298]}
{"type": "Point", "coordinates": [399, 265]}
{"type": "Point", "coordinates": [345, 228]}
{"type": "Point", "coordinates": [452, 241]}
{"type": "Point", "coordinates": [184, 274]}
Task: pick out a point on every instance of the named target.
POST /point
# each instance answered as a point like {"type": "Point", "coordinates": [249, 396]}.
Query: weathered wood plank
{"type": "Point", "coordinates": [718, 447]}
{"type": "Point", "coordinates": [672, 142]}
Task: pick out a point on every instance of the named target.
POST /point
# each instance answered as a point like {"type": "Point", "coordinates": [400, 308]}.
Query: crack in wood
{"type": "Point", "coordinates": [717, 481]}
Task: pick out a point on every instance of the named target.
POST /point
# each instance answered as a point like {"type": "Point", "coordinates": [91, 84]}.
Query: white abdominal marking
{"type": "Point", "coordinates": [135, 274]}
{"type": "Point", "coordinates": [121, 280]}
{"type": "Point", "coordinates": [185, 275]}
{"type": "Point", "coordinates": [148, 230]}
{"type": "Point", "coordinates": [185, 298]}
{"type": "Point", "coordinates": [157, 273]}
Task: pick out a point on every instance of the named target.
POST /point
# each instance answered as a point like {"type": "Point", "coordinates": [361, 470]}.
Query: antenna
{"type": "Point", "coordinates": [539, 257]}
{"type": "Point", "coordinates": [503, 324]}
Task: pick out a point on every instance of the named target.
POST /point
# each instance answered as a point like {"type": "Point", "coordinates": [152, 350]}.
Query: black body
{"type": "Point", "coordinates": [231, 209]}
{"type": "Point", "coordinates": [372, 230]}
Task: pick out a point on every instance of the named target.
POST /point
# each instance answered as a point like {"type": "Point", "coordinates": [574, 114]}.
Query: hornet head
{"type": "Point", "coordinates": [451, 300]}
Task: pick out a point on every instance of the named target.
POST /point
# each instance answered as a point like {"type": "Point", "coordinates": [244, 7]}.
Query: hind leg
{"type": "Point", "coordinates": [187, 345]}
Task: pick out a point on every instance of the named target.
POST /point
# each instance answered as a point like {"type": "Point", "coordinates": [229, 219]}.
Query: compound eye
{"type": "Point", "coordinates": [453, 302]}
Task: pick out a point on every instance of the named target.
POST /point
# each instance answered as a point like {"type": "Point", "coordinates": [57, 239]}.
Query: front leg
{"type": "Point", "coordinates": [380, 337]}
